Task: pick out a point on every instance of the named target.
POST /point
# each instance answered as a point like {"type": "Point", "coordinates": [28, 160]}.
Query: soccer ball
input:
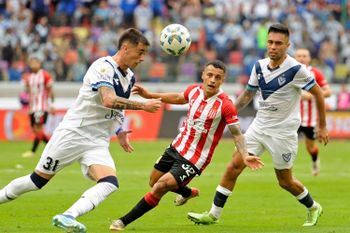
{"type": "Point", "coordinates": [175, 39]}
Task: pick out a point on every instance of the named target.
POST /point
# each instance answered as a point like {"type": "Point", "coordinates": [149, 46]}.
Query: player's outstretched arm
{"type": "Point", "coordinates": [253, 162]}
{"type": "Point", "coordinates": [321, 110]}
{"type": "Point", "coordinates": [111, 100]}
{"type": "Point", "coordinates": [170, 98]}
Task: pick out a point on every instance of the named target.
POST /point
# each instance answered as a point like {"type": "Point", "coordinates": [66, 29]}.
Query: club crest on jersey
{"type": "Point", "coordinates": [281, 80]}
{"type": "Point", "coordinates": [212, 112]}
{"type": "Point", "coordinates": [286, 157]}
{"type": "Point", "coordinates": [308, 79]}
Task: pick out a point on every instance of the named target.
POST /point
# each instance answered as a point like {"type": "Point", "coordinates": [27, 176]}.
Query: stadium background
{"type": "Point", "coordinates": [69, 35]}
{"type": "Point", "coordinates": [74, 35]}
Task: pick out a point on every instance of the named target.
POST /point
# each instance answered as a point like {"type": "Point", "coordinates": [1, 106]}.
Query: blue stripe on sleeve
{"type": "Point", "coordinates": [251, 88]}
{"type": "Point", "coordinates": [97, 85]}
{"type": "Point", "coordinates": [309, 85]}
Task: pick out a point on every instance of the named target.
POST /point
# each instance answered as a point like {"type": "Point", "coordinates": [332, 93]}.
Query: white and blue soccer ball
{"type": "Point", "coordinates": [175, 39]}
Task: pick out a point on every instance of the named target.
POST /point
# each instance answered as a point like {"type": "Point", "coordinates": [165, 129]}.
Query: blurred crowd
{"type": "Point", "coordinates": [69, 34]}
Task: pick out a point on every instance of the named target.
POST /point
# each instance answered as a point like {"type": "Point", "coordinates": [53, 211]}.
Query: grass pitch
{"type": "Point", "coordinates": [257, 205]}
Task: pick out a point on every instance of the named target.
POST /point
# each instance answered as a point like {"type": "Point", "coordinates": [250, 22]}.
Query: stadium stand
{"type": "Point", "coordinates": [70, 34]}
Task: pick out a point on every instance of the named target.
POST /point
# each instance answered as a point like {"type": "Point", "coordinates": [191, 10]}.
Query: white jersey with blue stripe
{"type": "Point", "coordinates": [87, 115]}
{"type": "Point", "coordinates": [279, 91]}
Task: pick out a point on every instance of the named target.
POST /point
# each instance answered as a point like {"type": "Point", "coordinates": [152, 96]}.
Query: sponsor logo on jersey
{"type": "Point", "coordinates": [267, 106]}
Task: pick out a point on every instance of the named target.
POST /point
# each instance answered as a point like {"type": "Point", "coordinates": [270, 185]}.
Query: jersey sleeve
{"type": "Point", "coordinates": [48, 79]}
{"type": "Point", "coordinates": [229, 112]}
{"type": "Point", "coordinates": [188, 90]}
{"type": "Point", "coordinates": [304, 79]}
{"type": "Point", "coordinates": [320, 79]}
{"type": "Point", "coordinates": [253, 83]}
{"type": "Point", "coordinates": [101, 75]}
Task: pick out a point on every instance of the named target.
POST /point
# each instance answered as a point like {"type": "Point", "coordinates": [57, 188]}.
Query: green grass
{"type": "Point", "coordinates": [257, 205]}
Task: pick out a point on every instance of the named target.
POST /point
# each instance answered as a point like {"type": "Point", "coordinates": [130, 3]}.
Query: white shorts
{"type": "Point", "coordinates": [283, 151]}
{"type": "Point", "coordinates": [66, 147]}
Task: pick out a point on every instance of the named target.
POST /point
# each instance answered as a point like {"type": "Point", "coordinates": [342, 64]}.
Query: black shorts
{"type": "Point", "coordinates": [182, 169]}
{"type": "Point", "coordinates": [38, 118]}
{"type": "Point", "coordinates": [309, 132]}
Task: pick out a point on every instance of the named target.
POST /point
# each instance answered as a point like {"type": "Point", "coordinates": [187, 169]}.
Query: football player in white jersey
{"type": "Point", "coordinates": [84, 134]}
{"type": "Point", "coordinates": [209, 111]}
{"type": "Point", "coordinates": [279, 80]}
{"type": "Point", "coordinates": [308, 111]}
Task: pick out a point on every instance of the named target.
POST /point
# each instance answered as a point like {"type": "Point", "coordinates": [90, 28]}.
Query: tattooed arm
{"type": "Point", "coordinates": [111, 100]}
{"type": "Point", "coordinates": [253, 162]}
{"type": "Point", "coordinates": [239, 139]}
{"type": "Point", "coordinates": [244, 99]}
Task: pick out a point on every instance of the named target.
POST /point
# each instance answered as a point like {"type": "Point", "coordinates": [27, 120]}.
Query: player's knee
{"type": "Point", "coordinates": [162, 187]}
{"type": "Point", "coordinates": [285, 184]}
{"type": "Point", "coordinates": [234, 168]}
{"type": "Point", "coordinates": [151, 182]}
{"type": "Point", "coordinates": [38, 180]}
{"type": "Point", "coordinates": [110, 180]}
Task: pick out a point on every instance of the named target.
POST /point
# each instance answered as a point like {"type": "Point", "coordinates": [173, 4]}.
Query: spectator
{"type": "Point", "coordinates": [344, 98]}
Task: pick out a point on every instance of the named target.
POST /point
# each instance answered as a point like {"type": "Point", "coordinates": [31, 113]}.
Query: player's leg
{"type": "Point", "coordinates": [24, 184]}
{"type": "Point", "coordinates": [297, 189]}
{"type": "Point", "coordinates": [312, 148]}
{"type": "Point", "coordinates": [107, 183]}
{"type": "Point", "coordinates": [38, 120]}
{"type": "Point", "coordinates": [162, 166]}
{"type": "Point", "coordinates": [35, 143]}
{"type": "Point", "coordinates": [49, 164]}
{"type": "Point", "coordinates": [223, 191]}
{"type": "Point", "coordinates": [184, 193]}
{"type": "Point", "coordinates": [283, 170]}
{"type": "Point", "coordinates": [228, 180]}
{"type": "Point", "coordinates": [166, 183]}
{"type": "Point", "coordinates": [98, 165]}
{"type": "Point", "coordinates": [181, 172]}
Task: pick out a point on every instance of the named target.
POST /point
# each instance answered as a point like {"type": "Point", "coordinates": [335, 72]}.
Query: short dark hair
{"type": "Point", "coordinates": [134, 36]}
{"type": "Point", "coordinates": [217, 64]}
{"type": "Point", "coordinates": [279, 28]}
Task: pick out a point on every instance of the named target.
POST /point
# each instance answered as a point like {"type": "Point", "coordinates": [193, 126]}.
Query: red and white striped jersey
{"type": "Point", "coordinates": [39, 85]}
{"type": "Point", "coordinates": [308, 108]}
{"type": "Point", "coordinates": [206, 120]}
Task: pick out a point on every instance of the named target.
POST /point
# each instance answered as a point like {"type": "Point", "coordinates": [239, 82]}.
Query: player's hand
{"type": "Point", "coordinates": [306, 95]}
{"type": "Point", "coordinates": [253, 162]}
{"type": "Point", "coordinates": [323, 135]}
{"type": "Point", "coordinates": [124, 141]}
{"type": "Point", "coordinates": [153, 105]}
{"type": "Point", "coordinates": [140, 90]}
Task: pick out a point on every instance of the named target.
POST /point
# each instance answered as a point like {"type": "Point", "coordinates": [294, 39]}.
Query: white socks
{"type": "Point", "coordinates": [215, 210]}
{"type": "Point", "coordinates": [91, 198]}
{"type": "Point", "coordinates": [303, 194]}
{"type": "Point", "coordinates": [16, 188]}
